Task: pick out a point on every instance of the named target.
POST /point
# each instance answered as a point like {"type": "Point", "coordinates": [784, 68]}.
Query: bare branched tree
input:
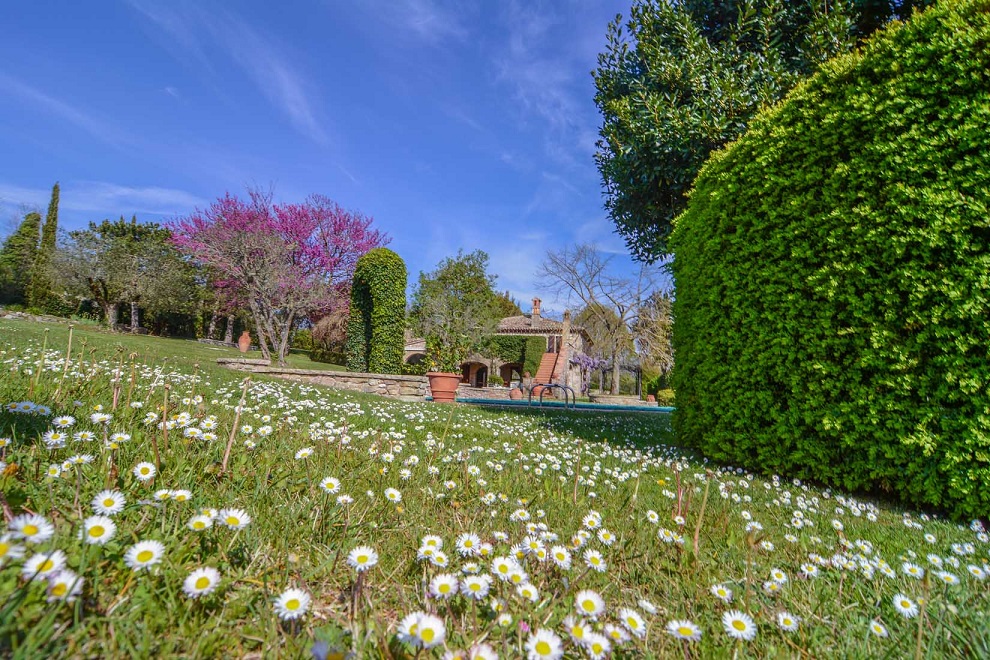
{"type": "Point", "coordinates": [584, 275]}
{"type": "Point", "coordinates": [653, 329]}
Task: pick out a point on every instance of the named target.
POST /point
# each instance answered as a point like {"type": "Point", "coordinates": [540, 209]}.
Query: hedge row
{"type": "Point", "coordinates": [375, 330]}
{"type": "Point", "coordinates": [833, 275]}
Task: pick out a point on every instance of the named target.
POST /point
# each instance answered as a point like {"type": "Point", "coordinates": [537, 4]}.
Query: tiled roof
{"type": "Point", "coordinates": [524, 324]}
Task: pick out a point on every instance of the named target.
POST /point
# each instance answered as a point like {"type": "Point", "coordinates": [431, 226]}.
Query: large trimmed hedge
{"type": "Point", "coordinates": [375, 329]}
{"type": "Point", "coordinates": [833, 275]}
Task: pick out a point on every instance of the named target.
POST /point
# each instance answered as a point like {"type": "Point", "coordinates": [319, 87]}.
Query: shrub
{"type": "Point", "coordinates": [832, 306]}
{"type": "Point", "coordinates": [303, 339]}
{"type": "Point", "coordinates": [495, 380]}
{"type": "Point", "coordinates": [375, 331]}
{"type": "Point", "coordinates": [665, 398]}
{"type": "Point", "coordinates": [330, 338]}
{"type": "Point", "coordinates": [533, 353]}
{"type": "Point", "coordinates": [508, 348]}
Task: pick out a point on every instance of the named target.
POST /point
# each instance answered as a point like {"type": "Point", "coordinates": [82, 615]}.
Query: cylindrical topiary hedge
{"type": "Point", "coordinates": [375, 330]}
{"type": "Point", "coordinates": [833, 275]}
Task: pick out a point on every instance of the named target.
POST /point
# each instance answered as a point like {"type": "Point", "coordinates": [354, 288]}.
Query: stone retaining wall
{"type": "Point", "coordinates": [620, 400]}
{"type": "Point", "coordinates": [407, 388]}
{"type": "Point", "coordinates": [493, 393]}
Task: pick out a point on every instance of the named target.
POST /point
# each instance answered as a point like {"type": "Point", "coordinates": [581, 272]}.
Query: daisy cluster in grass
{"type": "Point", "coordinates": [354, 523]}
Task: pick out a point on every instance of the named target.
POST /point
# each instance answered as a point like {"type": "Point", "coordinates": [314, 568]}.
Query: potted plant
{"type": "Point", "coordinates": [453, 309]}
{"type": "Point", "coordinates": [443, 369]}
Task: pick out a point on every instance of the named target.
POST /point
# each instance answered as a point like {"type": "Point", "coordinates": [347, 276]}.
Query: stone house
{"type": "Point", "coordinates": [563, 340]}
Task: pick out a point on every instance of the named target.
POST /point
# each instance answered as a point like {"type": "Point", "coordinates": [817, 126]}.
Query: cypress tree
{"type": "Point", "coordinates": [40, 285]}
{"type": "Point", "coordinates": [17, 257]}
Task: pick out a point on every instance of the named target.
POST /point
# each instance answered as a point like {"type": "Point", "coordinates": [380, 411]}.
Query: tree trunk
{"type": "Point", "coordinates": [615, 374]}
{"type": "Point", "coordinates": [211, 330]}
{"type": "Point", "coordinates": [259, 326]}
{"type": "Point", "coordinates": [282, 349]}
{"type": "Point", "coordinates": [111, 310]}
{"type": "Point", "coordinates": [228, 333]}
{"type": "Point", "coordinates": [135, 312]}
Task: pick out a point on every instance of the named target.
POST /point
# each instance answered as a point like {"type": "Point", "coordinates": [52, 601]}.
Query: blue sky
{"type": "Point", "coordinates": [454, 124]}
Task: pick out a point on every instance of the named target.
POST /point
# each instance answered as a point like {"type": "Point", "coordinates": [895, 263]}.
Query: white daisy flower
{"type": "Point", "coordinates": [97, 530]}
{"type": "Point", "coordinates": [589, 604]}
{"type": "Point", "coordinates": [739, 625]}
{"type": "Point", "coordinates": [200, 523]}
{"type": "Point", "coordinates": [144, 554]}
{"type": "Point", "coordinates": [201, 582]}
{"type": "Point", "coordinates": [234, 518]}
{"type": "Point", "coordinates": [43, 565]}
{"type": "Point", "coordinates": [9, 549]}
{"type": "Point", "coordinates": [108, 502]}
{"type": "Point", "coordinates": [362, 558]}
{"type": "Point", "coordinates": [31, 527]}
{"type": "Point", "coordinates": [684, 629]}
{"type": "Point", "coordinates": [905, 606]}
{"type": "Point", "coordinates": [788, 621]}
{"type": "Point", "coordinates": [544, 644]}
{"type": "Point", "coordinates": [444, 586]}
{"type": "Point", "coordinates": [64, 585]}
{"type": "Point", "coordinates": [633, 622]}
{"type": "Point", "coordinates": [292, 604]}
{"type": "Point", "coordinates": [144, 471]}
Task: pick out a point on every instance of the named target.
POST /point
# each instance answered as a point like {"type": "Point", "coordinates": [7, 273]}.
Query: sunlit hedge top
{"type": "Point", "coordinates": [833, 274]}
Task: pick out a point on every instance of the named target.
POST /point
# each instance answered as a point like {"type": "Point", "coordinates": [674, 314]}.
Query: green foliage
{"type": "Point", "coordinates": [40, 284]}
{"type": "Point", "coordinates": [679, 80]}
{"type": "Point", "coordinates": [664, 397]}
{"type": "Point", "coordinates": [496, 380]}
{"type": "Point", "coordinates": [16, 259]}
{"type": "Point", "coordinates": [455, 309]}
{"type": "Point", "coordinates": [533, 353]}
{"type": "Point", "coordinates": [123, 261]}
{"type": "Point", "coordinates": [508, 348]}
{"type": "Point", "coordinates": [303, 339]}
{"type": "Point", "coordinates": [832, 275]}
{"type": "Point", "coordinates": [377, 321]}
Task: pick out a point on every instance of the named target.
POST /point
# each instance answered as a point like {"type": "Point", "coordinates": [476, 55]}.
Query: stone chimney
{"type": "Point", "coordinates": [536, 311]}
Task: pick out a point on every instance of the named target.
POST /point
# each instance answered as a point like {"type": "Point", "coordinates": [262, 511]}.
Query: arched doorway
{"type": "Point", "coordinates": [474, 373]}
{"type": "Point", "coordinates": [511, 372]}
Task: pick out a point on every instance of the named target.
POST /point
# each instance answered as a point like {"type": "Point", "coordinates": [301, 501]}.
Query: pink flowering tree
{"type": "Point", "coordinates": [285, 262]}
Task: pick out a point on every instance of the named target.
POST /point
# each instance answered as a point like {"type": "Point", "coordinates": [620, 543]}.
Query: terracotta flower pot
{"type": "Point", "coordinates": [244, 341]}
{"type": "Point", "coordinates": [443, 386]}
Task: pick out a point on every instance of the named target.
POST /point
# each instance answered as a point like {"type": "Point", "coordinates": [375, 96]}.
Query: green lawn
{"type": "Point", "coordinates": [579, 509]}
{"type": "Point", "coordinates": [184, 353]}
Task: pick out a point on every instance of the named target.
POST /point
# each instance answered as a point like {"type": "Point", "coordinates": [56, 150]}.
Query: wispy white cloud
{"type": "Point", "coordinates": [264, 60]}
{"type": "Point", "coordinates": [434, 22]}
{"type": "Point", "coordinates": [106, 198]}
{"type": "Point", "coordinates": [105, 131]}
